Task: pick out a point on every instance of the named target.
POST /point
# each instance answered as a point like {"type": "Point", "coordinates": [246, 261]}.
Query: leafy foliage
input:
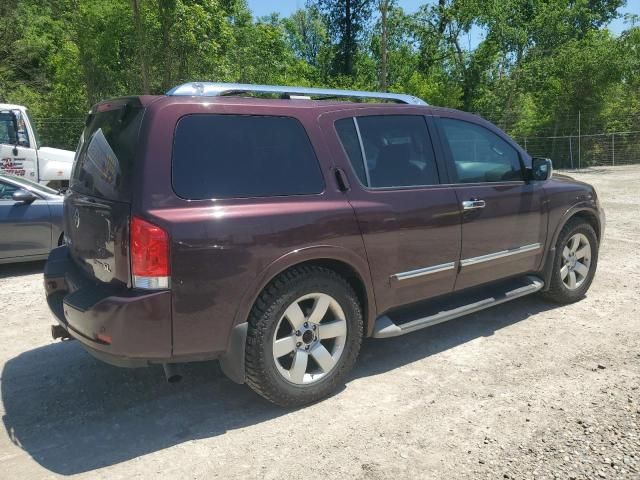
{"type": "Point", "coordinates": [538, 63]}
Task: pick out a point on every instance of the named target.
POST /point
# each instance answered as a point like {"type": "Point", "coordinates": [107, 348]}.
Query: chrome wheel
{"type": "Point", "coordinates": [576, 261]}
{"type": "Point", "coordinates": [309, 338]}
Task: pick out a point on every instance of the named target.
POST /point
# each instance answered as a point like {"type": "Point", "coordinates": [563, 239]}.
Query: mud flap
{"type": "Point", "coordinates": [547, 273]}
{"type": "Point", "coordinates": [232, 362]}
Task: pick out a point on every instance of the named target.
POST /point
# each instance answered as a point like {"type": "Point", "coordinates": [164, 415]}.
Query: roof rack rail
{"type": "Point", "coordinates": [210, 89]}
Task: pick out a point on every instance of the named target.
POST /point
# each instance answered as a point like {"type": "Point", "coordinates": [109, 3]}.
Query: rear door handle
{"type": "Point", "coordinates": [473, 204]}
{"type": "Point", "coordinates": [342, 180]}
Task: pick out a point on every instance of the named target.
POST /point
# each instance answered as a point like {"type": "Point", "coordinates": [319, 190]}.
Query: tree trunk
{"type": "Point", "coordinates": [384, 13]}
{"type": "Point", "coordinates": [144, 67]}
{"type": "Point", "coordinates": [166, 12]}
{"type": "Point", "coordinates": [348, 40]}
{"type": "Point", "coordinates": [466, 76]}
{"type": "Point", "coordinates": [430, 59]}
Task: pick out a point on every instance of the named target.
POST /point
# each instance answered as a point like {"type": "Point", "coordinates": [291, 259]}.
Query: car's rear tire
{"type": "Point", "coordinates": [575, 262]}
{"type": "Point", "coordinates": [304, 335]}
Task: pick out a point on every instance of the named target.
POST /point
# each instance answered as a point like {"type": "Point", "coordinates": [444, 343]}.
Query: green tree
{"type": "Point", "coordinates": [347, 20]}
{"type": "Point", "coordinates": [536, 65]}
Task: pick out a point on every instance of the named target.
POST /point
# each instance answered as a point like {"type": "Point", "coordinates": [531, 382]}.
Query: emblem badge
{"type": "Point", "coordinates": [76, 218]}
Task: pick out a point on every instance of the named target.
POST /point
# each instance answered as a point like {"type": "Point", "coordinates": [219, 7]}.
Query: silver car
{"type": "Point", "coordinates": [30, 220]}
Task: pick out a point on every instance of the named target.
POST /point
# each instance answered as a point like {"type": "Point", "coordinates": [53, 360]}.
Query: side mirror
{"type": "Point", "coordinates": [23, 140]}
{"type": "Point", "coordinates": [23, 196]}
{"type": "Point", "coordinates": [541, 169]}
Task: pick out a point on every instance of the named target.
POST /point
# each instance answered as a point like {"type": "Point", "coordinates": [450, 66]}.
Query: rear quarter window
{"type": "Point", "coordinates": [231, 156]}
{"type": "Point", "coordinates": [106, 153]}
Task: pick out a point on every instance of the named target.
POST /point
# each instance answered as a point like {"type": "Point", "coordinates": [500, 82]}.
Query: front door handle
{"type": "Point", "coordinates": [473, 204]}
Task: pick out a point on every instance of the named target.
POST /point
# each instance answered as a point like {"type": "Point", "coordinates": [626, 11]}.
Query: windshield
{"type": "Point", "coordinates": [36, 187]}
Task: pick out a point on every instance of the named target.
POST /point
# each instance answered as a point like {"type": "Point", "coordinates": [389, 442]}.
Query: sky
{"type": "Point", "coordinates": [286, 7]}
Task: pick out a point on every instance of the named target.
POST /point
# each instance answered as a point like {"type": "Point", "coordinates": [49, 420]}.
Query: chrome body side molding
{"type": "Point", "coordinates": [210, 89]}
{"type": "Point", "coordinates": [466, 262]}
{"type": "Point", "coordinates": [504, 253]}
{"type": "Point", "coordinates": [424, 271]}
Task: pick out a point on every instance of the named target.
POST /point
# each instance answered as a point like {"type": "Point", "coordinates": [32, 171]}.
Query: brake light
{"type": "Point", "coordinates": [149, 255]}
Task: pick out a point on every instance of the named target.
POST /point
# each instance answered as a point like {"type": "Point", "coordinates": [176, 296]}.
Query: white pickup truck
{"type": "Point", "coordinates": [22, 155]}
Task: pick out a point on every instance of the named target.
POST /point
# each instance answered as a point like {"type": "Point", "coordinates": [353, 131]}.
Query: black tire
{"type": "Point", "coordinates": [261, 371]}
{"type": "Point", "coordinates": [558, 291]}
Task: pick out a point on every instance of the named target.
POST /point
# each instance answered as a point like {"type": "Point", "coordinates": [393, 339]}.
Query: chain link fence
{"type": "Point", "coordinates": [566, 151]}
{"type": "Point", "coordinates": [572, 151]}
{"type": "Point", "coordinates": [59, 132]}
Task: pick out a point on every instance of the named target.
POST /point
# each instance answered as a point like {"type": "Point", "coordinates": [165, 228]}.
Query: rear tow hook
{"type": "Point", "coordinates": [171, 373]}
{"type": "Point", "coordinates": [58, 331]}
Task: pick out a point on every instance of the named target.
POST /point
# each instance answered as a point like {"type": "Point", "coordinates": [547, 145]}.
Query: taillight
{"type": "Point", "coordinates": [149, 255]}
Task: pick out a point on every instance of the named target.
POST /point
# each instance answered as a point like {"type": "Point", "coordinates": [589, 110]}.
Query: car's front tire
{"type": "Point", "coordinates": [575, 262]}
{"type": "Point", "coordinates": [304, 335]}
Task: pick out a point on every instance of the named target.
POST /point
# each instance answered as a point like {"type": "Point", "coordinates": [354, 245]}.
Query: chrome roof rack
{"type": "Point", "coordinates": [209, 89]}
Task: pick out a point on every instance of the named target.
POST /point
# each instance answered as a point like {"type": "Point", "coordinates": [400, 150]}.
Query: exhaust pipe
{"type": "Point", "coordinates": [171, 373]}
{"type": "Point", "coordinates": [58, 331]}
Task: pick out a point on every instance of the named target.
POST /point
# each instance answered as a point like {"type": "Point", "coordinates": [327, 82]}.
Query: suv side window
{"type": "Point", "coordinates": [479, 154]}
{"type": "Point", "coordinates": [397, 150]}
{"type": "Point", "coordinates": [227, 156]}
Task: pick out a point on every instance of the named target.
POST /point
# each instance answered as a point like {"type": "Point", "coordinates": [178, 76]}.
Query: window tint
{"type": "Point", "coordinates": [8, 133]}
{"type": "Point", "coordinates": [104, 162]}
{"type": "Point", "coordinates": [6, 191]}
{"type": "Point", "coordinates": [397, 151]}
{"type": "Point", "coordinates": [218, 156]}
{"type": "Point", "coordinates": [7, 128]}
{"type": "Point", "coordinates": [348, 134]}
{"type": "Point", "coordinates": [479, 154]}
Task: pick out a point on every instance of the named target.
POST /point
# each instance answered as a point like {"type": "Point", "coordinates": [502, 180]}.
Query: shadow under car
{"type": "Point", "coordinates": [73, 414]}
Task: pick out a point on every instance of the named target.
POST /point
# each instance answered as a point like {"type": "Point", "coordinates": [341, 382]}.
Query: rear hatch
{"type": "Point", "coordinates": [98, 205]}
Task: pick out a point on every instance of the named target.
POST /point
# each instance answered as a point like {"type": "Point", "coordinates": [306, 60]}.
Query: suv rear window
{"type": "Point", "coordinates": [104, 161]}
{"type": "Point", "coordinates": [225, 156]}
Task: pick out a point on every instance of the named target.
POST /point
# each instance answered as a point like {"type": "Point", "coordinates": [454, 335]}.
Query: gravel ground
{"type": "Point", "coordinates": [525, 390]}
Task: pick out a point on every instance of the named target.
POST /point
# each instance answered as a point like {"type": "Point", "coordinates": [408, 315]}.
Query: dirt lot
{"type": "Point", "coordinates": [525, 390]}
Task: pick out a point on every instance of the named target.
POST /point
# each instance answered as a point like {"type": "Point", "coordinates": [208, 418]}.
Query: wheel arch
{"type": "Point", "coordinates": [591, 218]}
{"type": "Point", "coordinates": [584, 212]}
{"type": "Point", "coordinates": [352, 267]}
{"type": "Point", "coordinates": [352, 277]}
{"type": "Point", "coordinates": [346, 263]}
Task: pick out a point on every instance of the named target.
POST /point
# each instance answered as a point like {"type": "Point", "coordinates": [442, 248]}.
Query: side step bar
{"type": "Point", "coordinates": [385, 326]}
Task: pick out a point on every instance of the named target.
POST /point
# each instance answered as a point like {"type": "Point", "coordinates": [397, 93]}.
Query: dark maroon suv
{"type": "Point", "coordinates": [273, 228]}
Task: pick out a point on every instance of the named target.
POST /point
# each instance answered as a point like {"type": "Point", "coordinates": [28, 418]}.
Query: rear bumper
{"type": "Point", "coordinates": [118, 325]}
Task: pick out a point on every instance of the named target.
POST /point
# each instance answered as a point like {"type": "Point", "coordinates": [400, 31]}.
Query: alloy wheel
{"type": "Point", "coordinates": [309, 338]}
{"type": "Point", "coordinates": [576, 261]}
